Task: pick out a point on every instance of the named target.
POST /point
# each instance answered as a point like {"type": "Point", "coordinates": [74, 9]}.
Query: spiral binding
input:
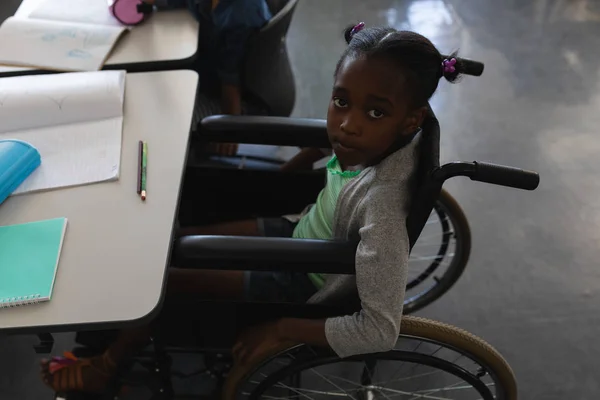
{"type": "Point", "coordinates": [10, 302]}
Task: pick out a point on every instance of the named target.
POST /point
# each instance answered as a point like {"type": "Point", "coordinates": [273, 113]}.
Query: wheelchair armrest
{"type": "Point", "coordinates": [244, 253]}
{"type": "Point", "coordinates": [274, 131]}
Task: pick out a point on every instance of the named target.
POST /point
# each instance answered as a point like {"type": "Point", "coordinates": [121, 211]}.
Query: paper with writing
{"type": "Point", "coordinates": [84, 11]}
{"type": "Point", "coordinates": [74, 120]}
{"type": "Point", "coordinates": [56, 45]}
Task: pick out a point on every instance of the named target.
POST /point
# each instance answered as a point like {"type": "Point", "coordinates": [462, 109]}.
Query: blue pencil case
{"type": "Point", "coordinates": [17, 161]}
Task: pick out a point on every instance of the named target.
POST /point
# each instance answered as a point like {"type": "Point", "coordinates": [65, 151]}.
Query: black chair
{"type": "Point", "coordinates": [268, 86]}
{"type": "Point", "coordinates": [267, 75]}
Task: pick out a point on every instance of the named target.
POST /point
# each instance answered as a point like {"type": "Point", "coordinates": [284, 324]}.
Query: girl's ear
{"type": "Point", "coordinates": [415, 119]}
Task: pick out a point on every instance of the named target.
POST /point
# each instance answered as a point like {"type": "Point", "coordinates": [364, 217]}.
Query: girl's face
{"type": "Point", "coordinates": [369, 110]}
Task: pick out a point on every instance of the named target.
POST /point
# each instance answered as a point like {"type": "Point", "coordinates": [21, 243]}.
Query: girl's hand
{"type": "Point", "coordinates": [256, 341]}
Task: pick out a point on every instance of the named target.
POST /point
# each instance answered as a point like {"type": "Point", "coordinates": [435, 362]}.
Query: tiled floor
{"type": "Point", "coordinates": [532, 287]}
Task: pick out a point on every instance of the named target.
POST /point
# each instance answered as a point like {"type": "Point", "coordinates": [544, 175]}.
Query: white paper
{"type": "Point", "coordinates": [74, 151]}
{"type": "Point", "coordinates": [56, 45]}
{"type": "Point", "coordinates": [73, 155]}
{"type": "Point", "coordinates": [26, 7]}
{"type": "Point", "coordinates": [37, 101]}
{"type": "Point", "coordinates": [84, 11]}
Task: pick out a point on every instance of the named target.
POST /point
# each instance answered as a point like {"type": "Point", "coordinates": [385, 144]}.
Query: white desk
{"type": "Point", "coordinates": [164, 40]}
{"type": "Point", "coordinates": [116, 248]}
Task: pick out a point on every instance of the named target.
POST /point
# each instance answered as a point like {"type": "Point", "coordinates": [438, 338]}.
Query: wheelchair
{"type": "Point", "coordinates": [431, 360]}
{"type": "Point", "coordinates": [437, 260]}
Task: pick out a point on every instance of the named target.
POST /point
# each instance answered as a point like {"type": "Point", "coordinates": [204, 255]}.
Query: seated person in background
{"type": "Point", "coordinates": [383, 82]}
{"type": "Point", "coordinates": [225, 26]}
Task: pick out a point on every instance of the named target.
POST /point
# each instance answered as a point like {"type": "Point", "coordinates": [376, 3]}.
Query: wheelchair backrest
{"type": "Point", "coordinates": [267, 73]}
{"type": "Point", "coordinates": [426, 190]}
{"type": "Point", "coordinates": [279, 9]}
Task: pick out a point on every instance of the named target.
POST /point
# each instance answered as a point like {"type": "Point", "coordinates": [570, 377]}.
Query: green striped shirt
{"type": "Point", "coordinates": [318, 222]}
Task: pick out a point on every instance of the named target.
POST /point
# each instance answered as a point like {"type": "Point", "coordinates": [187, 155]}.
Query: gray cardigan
{"type": "Point", "coordinates": [372, 210]}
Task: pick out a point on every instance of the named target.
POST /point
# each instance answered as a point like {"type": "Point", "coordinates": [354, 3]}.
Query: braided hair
{"type": "Point", "coordinates": [414, 55]}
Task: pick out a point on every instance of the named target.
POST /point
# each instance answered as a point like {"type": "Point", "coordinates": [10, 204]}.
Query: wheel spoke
{"type": "Point", "coordinates": [402, 363]}
{"type": "Point", "coordinates": [385, 395]}
{"type": "Point", "coordinates": [419, 394]}
{"type": "Point", "coordinates": [435, 244]}
{"type": "Point", "coordinates": [406, 384]}
{"type": "Point", "coordinates": [436, 219]}
{"type": "Point", "coordinates": [427, 394]}
{"type": "Point", "coordinates": [404, 379]}
{"type": "Point", "coordinates": [369, 371]}
{"type": "Point", "coordinates": [448, 232]}
{"type": "Point", "coordinates": [300, 392]}
{"type": "Point", "coordinates": [431, 355]}
{"type": "Point", "coordinates": [453, 387]}
{"type": "Point", "coordinates": [342, 392]}
{"type": "Point", "coordinates": [436, 351]}
{"type": "Point", "coordinates": [415, 395]}
{"type": "Point", "coordinates": [427, 258]}
{"type": "Point", "coordinates": [330, 382]}
{"type": "Point", "coordinates": [323, 376]}
{"type": "Point", "coordinates": [339, 378]}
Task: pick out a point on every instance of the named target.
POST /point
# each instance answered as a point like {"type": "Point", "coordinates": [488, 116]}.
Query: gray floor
{"type": "Point", "coordinates": [532, 287]}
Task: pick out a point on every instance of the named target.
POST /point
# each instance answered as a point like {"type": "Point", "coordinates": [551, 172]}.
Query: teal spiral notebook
{"type": "Point", "coordinates": [29, 257]}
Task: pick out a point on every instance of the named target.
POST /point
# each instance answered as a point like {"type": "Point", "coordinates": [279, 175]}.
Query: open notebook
{"type": "Point", "coordinates": [29, 257]}
{"type": "Point", "coordinates": [74, 120]}
{"type": "Point", "coordinates": [63, 35]}
{"type": "Point", "coordinates": [84, 11]}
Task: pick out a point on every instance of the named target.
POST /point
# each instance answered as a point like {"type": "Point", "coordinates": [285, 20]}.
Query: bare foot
{"type": "Point", "coordinates": [89, 375]}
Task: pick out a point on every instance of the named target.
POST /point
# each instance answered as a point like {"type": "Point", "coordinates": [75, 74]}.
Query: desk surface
{"type": "Point", "coordinates": [165, 37]}
{"type": "Point", "coordinates": [116, 248]}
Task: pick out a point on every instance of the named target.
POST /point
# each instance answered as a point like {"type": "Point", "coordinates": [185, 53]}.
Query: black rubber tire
{"type": "Point", "coordinates": [448, 206]}
{"type": "Point", "coordinates": [412, 327]}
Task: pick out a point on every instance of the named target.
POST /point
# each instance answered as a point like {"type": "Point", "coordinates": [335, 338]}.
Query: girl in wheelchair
{"type": "Point", "coordinates": [383, 82]}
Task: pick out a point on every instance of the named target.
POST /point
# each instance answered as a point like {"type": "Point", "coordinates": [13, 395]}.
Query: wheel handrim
{"type": "Point", "coordinates": [453, 374]}
{"type": "Point", "coordinates": [436, 258]}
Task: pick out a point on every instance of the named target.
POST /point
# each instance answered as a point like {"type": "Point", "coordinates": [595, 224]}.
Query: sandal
{"type": "Point", "coordinates": [68, 374]}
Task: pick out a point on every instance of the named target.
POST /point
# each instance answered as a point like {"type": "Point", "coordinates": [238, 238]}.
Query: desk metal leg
{"type": "Point", "coordinates": [46, 343]}
{"type": "Point", "coordinates": [162, 370]}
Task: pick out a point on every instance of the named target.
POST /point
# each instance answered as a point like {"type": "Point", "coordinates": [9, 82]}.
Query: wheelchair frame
{"type": "Point", "coordinates": [249, 253]}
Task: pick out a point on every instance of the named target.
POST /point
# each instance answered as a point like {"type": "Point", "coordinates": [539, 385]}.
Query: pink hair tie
{"type": "Point", "coordinates": [448, 65]}
{"type": "Point", "coordinates": [357, 28]}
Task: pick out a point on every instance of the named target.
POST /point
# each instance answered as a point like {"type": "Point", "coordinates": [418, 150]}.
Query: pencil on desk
{"type": "Point", "coordinates": [139, 176]}
{"type": "Point", "coordinates": [144, 169]}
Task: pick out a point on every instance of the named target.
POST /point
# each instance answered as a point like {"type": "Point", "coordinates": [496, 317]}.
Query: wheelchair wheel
{"type": "Point", "coordinates": [439, 256]}
{"type": "Point", "coordinates": [431, 360]}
